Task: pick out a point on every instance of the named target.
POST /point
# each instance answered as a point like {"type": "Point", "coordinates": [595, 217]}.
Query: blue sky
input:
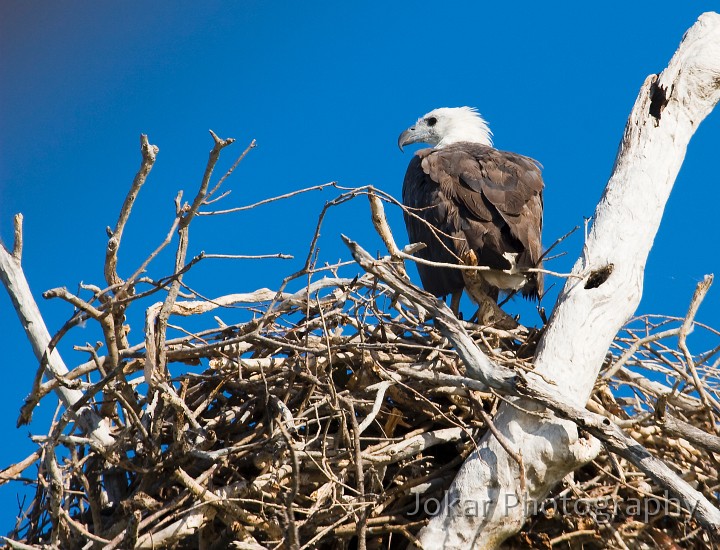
{"type": "Point", "coordinates": [325, 88]}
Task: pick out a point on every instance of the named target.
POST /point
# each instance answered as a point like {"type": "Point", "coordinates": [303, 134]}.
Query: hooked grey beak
{"type": "Point", "coordinates": [407, 137]}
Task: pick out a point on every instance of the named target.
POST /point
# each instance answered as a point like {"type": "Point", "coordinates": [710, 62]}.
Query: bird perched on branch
{"type": "Point", "coordinates": [472, 205]}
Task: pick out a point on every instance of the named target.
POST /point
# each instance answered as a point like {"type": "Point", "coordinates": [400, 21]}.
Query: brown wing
{"type": "Point", "coordinates": [498, 197]}
{"type": "Point", "coordinates": [433, 219]}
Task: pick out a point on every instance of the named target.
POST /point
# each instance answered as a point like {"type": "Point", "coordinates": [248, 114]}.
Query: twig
{"type": "Point", "coordinates": [266, 201]}
{"type": "Point", "coordinates": [381, 225]}
{"type": "Point", "coordinates": [565, 537]}
{"type": "Point", "coordinates": [359, 474]}
{"type": "Point", "coordinates": [279, 256]}
{"type": "Point", "coordinates": [149, 153]}
{"type": "Point", "coordinates": [685, 329]}
{"type": "Point", "coordinates": [252, 145]}
{"type": "Point", "coordinates": [18, 240]}
{"type": "Point", "coordinates": [377, 405]}
{"type": "Point", "coordinates": [693, 434]}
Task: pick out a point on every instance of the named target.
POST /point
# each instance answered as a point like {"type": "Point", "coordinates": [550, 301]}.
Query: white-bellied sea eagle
{"type": "Point", "coordinates": [472, 204]}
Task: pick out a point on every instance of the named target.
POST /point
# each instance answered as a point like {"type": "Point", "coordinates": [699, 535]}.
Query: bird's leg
{"type": "Point", "coordinates": [489, 313]}
{"type": "Point", "coordinates": [455, 304]}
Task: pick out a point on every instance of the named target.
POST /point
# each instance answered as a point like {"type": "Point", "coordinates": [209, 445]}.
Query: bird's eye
{"type": "Point", "coordinates": [431, 121]}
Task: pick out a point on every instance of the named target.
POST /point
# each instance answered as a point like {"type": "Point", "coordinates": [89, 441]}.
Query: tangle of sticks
{"type": "Point", "coordinates": [334, 414]}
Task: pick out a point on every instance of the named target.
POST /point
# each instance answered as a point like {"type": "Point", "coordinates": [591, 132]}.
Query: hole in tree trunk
{"type": "Point", "coordinates": [599, 276]}
{"type": "Point", "coordinates": [658, 100]}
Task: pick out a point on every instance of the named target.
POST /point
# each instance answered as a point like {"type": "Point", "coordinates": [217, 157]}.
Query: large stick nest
{"type": "Point", "coordinates": [336, 412]}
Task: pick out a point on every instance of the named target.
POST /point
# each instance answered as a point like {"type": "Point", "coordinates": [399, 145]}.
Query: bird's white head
{"type": "Point", "coordinates": [447, 125]}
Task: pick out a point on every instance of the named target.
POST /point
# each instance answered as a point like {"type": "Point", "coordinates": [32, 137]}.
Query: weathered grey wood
{"type": "Point", "coordinates": [13, 278]}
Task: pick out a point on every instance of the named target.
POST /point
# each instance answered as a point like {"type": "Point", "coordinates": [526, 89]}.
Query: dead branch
{"type": "Point", "coordinates": [13, 278]}
{"type": "Point", "coordinates": [149, 154]}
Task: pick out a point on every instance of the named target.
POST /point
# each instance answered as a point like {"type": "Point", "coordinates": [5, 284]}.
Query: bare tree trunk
{"type": "Point", "coordinates": [488, 501]}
